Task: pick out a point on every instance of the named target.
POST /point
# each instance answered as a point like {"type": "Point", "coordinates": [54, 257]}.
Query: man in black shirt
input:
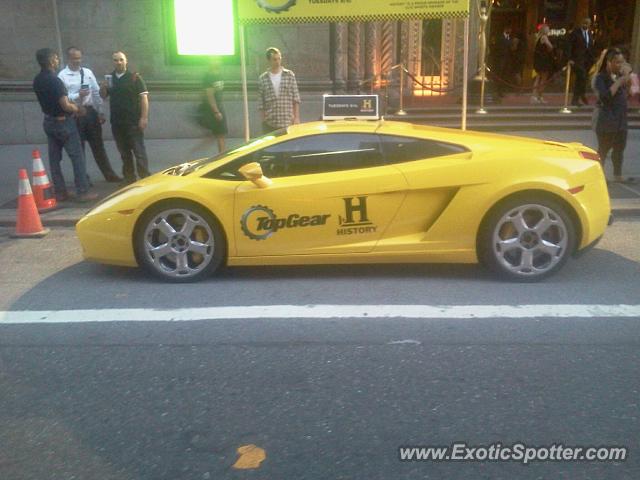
{"type": "Point", "coordinates": [129, 116]}
{"type": "Point", "coordinates": [60, 127]}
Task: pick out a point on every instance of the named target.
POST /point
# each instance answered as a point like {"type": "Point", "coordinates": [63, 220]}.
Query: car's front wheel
{"type": "Point", "coordinates": [526, 239]}
{"type": "Point", "coordinates": [179, 242]}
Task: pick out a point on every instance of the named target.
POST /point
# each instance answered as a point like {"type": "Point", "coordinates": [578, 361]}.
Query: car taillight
{"type": "Point", "coordinates": [590, 156]}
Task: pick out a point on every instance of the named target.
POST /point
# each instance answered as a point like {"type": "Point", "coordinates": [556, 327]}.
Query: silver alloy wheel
{"type": "Point", "coordinates": [178, 243]}
{"type": "Point", "coordinates": [530, 240]}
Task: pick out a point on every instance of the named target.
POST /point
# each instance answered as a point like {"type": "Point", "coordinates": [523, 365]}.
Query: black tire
{"type": "Point", "coordinates": [526, 238]}
{"type": "Point", "coordinates": [179, 242]}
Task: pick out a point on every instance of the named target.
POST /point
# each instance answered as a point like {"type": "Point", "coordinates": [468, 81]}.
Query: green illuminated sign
{"type": "Point", "coordinates": [204, 27]}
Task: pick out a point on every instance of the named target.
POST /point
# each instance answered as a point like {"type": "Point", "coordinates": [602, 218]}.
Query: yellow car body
{"type": "Point", "coordinates": [389, 205]}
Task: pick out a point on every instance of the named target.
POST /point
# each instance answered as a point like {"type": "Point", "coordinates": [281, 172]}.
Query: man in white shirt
{"type": "Point", "coordinates": [278, 95]}
{"type": "Point", "coordinates": [84, 90]}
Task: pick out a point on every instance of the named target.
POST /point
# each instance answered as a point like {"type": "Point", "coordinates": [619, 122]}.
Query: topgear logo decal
{"type": "Point", "coordinates": [276, 6]}
{"type": "Point", "coordinates": [260, 222]}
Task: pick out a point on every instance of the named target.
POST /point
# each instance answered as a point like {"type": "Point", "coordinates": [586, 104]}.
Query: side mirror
{"type": "Point", "coordinates": [253, 173]}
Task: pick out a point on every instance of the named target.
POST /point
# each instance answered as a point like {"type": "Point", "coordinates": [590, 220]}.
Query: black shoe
{"type": "Point", "coordinates": [64, 197]}
{"type": "Point", "coordinates": [127, 181]}
{"type": "Point", "coordinates": [113, 178]}
{"type": "Point", "coordinates": [86, 197]}
{"type": "Point", "coordinates": [627, 180]}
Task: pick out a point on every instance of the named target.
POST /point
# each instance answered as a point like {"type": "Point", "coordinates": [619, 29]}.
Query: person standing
{"type": "Point", "coordinates": [516, 59]}
{"type": "Point", "coordinates": [502, 61]}
{"type": "Point", "coordinates": [542, 63]}
{"type": "Point", "coordinates": [278, 96]}
{"type": "Point", "coordinates": [212, 115]}
{"type": "Point", "coordinates": [60, 127]}
{"type": "Point", "coordinates": [611, 85]}
{"type": "Point", "coordinates": [129, 102]}
{"type": "Point", "coordinates": [581, 56]}
{"type": "Point", "coordinates": [83, 89]}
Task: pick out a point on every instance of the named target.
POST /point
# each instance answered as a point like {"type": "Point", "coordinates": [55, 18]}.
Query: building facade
{"type": "Point", "coordinates": [327, 58]}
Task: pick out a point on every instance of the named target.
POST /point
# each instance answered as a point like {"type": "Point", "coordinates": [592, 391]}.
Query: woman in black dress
{"type": "Point", "coordinates": [542, 63]}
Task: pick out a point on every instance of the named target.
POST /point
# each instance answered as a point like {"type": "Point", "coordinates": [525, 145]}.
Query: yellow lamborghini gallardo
{"type": "Point", "coordinates": [359, 192]}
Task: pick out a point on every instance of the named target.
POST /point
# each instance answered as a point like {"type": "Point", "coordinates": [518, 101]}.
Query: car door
{"type": "Point", "coordinates": [435, 171]}
{"type": "Point", "coordinates": [331, 194]}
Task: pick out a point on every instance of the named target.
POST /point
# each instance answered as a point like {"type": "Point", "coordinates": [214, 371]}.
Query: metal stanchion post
{"type": "Point", "coordinates": [484, 11]}
{"type": "Point", "coordinates": [401, 111]}
{"type": "Point", "coordinates": [483, 78]}
{"type": "Point", "coordinates": [385, 79]}
{"type": "Point", "coordinates": [566, 91]}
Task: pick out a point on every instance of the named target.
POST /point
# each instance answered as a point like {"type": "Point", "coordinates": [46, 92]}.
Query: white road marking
{"type": "Point", "coordinates": [319, 312]}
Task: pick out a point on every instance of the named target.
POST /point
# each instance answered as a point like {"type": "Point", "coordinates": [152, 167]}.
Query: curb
{"type": "Point", "coordinates": [625, 212]}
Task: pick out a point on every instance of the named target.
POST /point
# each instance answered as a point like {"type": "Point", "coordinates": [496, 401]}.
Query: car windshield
{"type": "Point", "coordinates": [198, 164]}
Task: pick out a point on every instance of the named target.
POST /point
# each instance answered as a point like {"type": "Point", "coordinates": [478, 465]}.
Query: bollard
{"type": "Point", "coordinates": [566, 91]}
{"type": "Point", "coordinates": [401, 111]}
{"type": "Point", "coordinates": [483, 79]}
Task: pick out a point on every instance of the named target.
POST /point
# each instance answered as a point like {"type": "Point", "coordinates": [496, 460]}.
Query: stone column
{"type": "Point", "coordinates": [341, 53]}
{"type": "Point", "coordinates": [582, 11]}
{"type": "Point", "coordinates": [387, 48]}
{"type": "Point", "coordinates": [408, 37]}
{"type": "Point", "coordinates": [474, 32]}
{"type": "Point", "coordinates": [372, 53]}
{"type": "Point", "coordinates": [450, 72]}
{"type": "Point", "coordinates": [635, 42]}
{"type": "Point", "coordinates": [414, 46]}
{"type": "Point", "coordinates": [354, 66]}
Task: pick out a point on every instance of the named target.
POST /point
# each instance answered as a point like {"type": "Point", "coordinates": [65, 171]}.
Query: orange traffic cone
{"type": "Point", "coordinates": [28, 222]}
{"type": "Point", "coordinates": [42, 191]}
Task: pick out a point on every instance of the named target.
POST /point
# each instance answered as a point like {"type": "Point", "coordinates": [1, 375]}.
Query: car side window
{"type": "Point", "coordinates": [407, 149]}
{"type": "Point", "coordinates": [313, 154]}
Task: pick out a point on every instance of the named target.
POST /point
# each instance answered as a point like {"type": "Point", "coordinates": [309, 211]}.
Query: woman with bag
{"type": "Point", "coordinates": [611, 85]}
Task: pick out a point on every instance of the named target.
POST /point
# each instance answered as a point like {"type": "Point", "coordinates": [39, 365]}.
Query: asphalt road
{"type": "Point", "coordinates": [328, 398]}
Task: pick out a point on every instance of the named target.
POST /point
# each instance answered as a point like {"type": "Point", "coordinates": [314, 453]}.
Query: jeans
{"type": "Point", "coordinates": [130, 142]}
{"type": "Point", "coordinates": [64, 134]}
{"type": "Point", "coordinates": [91, 131]}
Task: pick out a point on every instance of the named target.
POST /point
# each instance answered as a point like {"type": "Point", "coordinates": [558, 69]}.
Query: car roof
{"type": "Point", "coordinates": [476, 141]}
{"type": "Point", "coordinates": [380, 126]}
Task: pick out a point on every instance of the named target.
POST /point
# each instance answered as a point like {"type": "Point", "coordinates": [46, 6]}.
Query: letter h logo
{"type": "Point", "coordinates": [360, 208]}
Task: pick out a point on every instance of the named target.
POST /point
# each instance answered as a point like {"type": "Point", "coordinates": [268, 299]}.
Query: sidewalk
{"type": "Point", "coordinates": [625, 199]}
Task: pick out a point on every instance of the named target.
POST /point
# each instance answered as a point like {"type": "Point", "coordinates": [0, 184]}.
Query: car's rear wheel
{"type": "Point", "coordinates": [527, 239]}
{"type": "Point", "coordinates": [179, 242]}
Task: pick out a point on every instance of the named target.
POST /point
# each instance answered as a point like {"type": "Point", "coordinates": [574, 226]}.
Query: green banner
{"type": "Point", "coordinates": [320, 11]}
